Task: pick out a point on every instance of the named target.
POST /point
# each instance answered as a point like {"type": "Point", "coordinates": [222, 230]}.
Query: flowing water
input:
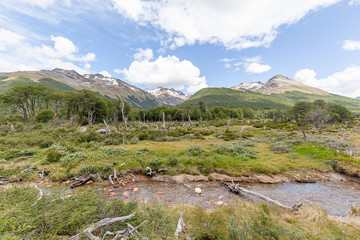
{"type": "Point", "coordinates": [336, 198]}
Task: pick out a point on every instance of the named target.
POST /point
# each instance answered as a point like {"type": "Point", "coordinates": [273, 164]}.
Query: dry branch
{"type": "Point", "coordinates": [84, 179]}
{"type": "Point", "coordinates": [123, 234]}
{"type": "Point", "coordinates": [237, 189]}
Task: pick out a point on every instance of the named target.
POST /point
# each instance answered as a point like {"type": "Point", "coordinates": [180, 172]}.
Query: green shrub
{"type": "Point", "coordinates": [113, 151]}
{"type": "Point", "coordinates": [18, 153]}
{"type": "Point", "coordinates": [44, 116]}
{"type": "Point", "coordinates": [53, 156]}
{"type": "Point", "coordinates": [155, 163]}
{"type": "Point", "coordinates": [173, 161]}
{"type": "Point", "coordinates": [143, 136]}
{"type": "Point", "coordinates": [229, 135]}
{"type": "Point", "coordinates": [87, 169]}
{"type": "Point", "coordinates": [195, 150]}
{"type": "Point", "coordinates": [73, 158]}
{"type": "Point", "coordinates": [240, 148]}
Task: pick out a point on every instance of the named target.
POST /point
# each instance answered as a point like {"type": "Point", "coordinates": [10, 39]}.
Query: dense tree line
{"type": "Point", "coordinates": [87, 107]}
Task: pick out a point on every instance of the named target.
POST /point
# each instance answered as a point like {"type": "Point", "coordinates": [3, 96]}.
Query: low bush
{"type": "Point", "coordinates": [173, 161]}
{"type": "Point", "coordinates": [53, 156]}
{"type": "Point", "coordinates": [280, 148]}
{"type": "Point", "coordinates": [73, 158]}
{"type": "Point", "coordinates": [240, 148]}
{"type": "Point", "coordinates": [155, 163]}
{"type": "Point", "coordinates": [195, 150]}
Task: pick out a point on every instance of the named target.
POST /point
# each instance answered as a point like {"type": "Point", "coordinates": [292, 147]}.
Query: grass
{"type": "Point", "coordinates": [77, 153]}
{"type": "Point", "coordinates": [53, 218]}
{"type": "Point", "coordinates": [75, 150]}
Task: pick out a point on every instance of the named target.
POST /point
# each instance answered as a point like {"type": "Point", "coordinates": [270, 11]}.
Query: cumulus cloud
{"type": "Point", "coordinates": [235, 24]}
{"type": "Point", "coordinates": [346, 82]}
{"type": "Point", "coordinates": [143, 54]}
{"type": "Point", "coordinates": [21, 55]}
{"type": "Point", "coordinates": [351, 45]}
{"type": "Point", "coordinates": [167, 72]}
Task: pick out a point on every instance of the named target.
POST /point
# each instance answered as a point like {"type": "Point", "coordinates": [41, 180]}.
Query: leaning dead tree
{"type": "Point", "coordinates": [129, 231]}
{"type": "Point", "coordinates": [237, 189]}
{"type": "Point", "coordinates": [104, 130]}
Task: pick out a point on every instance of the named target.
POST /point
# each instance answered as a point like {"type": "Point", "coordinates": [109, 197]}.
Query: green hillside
{"type": "Point", "coordinates": [134, 101]}
{"type": "Point", "coordinates": [226, 97]}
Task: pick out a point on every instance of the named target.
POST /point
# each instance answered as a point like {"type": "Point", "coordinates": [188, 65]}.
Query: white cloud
{"type": "Point", "coordinates": [346, 82]}
{"type": "Point", "coordinates": [236, 24]}
{"type": "Point", "coordinates": [226, 60]}
{"type": "Point", "coordinates": [167, 72]}
{"type": "Point", "coordinates": [354, 2]}
{"type": "Point", "coordinates": [21, 55]}
{"type": "Point", "coordinates": [9, 39]}
{"type": "Point", "coordinates": [105, 74]}
{"type": "Point", "coordinates": [256, 67]}
{"type": "Point", "coordinates": [249, 64]}
{"type": "Point", "coordinates": [351, 45]}
{"type": "Point", "coordinates": [143, 54]}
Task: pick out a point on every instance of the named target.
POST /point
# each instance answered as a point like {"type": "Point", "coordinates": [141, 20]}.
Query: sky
{"type": "Point", "coordinates": [185, 44]}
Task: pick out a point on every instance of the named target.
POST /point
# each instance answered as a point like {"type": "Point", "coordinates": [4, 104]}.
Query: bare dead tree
{"type": "Point", "coordinates": [163, 120]}
{"type": "Point", "coordinates": [228, 123]}
{"type": "Point", "coordinates": [190, 120]}
{"type": "Point", "coordinates": [123, 113]}
{"type": "Point", "coordinates": [11, 127]}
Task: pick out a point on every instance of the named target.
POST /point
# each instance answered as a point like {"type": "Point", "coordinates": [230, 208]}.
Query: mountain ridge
{"type": "Point", "coordinates": [279, 84]}
{"type": "Point", "coordinates": [169, 96]}
{"type": "Point", "coordinates": [107, 86]}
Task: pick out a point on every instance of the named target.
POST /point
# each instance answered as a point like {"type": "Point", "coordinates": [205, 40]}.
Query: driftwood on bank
{"type": "Point", "coordinates": [150, 172]}
{"type": "Point", "coordinates": [123, 234]}
{"type": "Point", "coordinates": [84, 179]}
{"type": "Point", "coordinates": [237, 189]}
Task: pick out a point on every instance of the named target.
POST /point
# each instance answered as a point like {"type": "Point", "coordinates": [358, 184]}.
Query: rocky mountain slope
{"type": "Point", "coordinates": [279, 84]}
{"type": "Point", "coordinates": [251, 86]}
{"type": "Point", "coordinates": [168, 96]}
{"type": "Point", "coordinates": [107, 86]}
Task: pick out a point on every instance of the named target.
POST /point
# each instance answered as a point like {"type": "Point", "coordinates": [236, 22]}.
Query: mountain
{"type": "Point", "coordinates": [278, 93]}
{"type": "Point", "coordinates": [279, 84]}
{"type": "Point", "coordinates": [251, 86]}
{"type": "Point", "coordinates": [168, 96]}
{"type": "Point", "coordinates": [70, 80]}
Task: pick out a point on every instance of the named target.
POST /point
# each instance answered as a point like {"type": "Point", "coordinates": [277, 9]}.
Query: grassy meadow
{"type": "Point", "coordinates": [246, 149]}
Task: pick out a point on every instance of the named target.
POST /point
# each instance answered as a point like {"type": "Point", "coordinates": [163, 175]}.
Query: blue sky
{"type": "Point", "coordinates": [187, 44]}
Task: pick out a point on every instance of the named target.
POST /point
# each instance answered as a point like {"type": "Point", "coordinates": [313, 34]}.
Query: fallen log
{"type": "Point", "coordinates": [237, 189]}
{"type": "Point", "coordinates": [23, 157]}
{"type": "Point", "coordinates": [41, 194]}
{"type": "Point", "coordinates": [123, 234]}
{"type": "Point", "coordinates": [84, 179]}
